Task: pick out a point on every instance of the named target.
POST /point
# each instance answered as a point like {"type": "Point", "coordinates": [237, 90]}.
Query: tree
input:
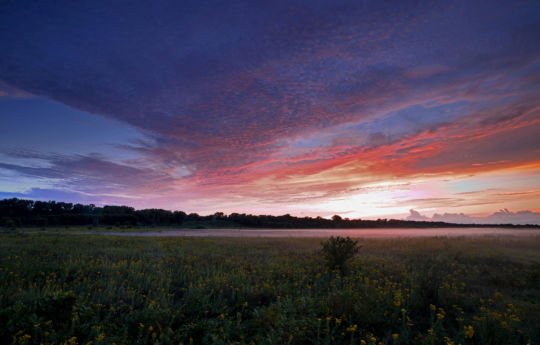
{"type": "Point", "coordinates": [336, 218]}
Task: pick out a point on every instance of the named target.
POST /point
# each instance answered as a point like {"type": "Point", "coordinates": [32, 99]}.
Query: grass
{"type": "Point", "coordinates": [93, 289]}
{"type": "Point", "coordinates": [187, 225]}
{"type": "Point", "coordinates": [102, 228]}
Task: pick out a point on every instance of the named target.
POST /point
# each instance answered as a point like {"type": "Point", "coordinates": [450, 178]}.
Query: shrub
{"type": "Point", "coordinates": [337, 251]}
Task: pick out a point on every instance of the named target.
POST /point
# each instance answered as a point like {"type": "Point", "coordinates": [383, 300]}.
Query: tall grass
{"type": "Point", "coordinates": [89, 289]}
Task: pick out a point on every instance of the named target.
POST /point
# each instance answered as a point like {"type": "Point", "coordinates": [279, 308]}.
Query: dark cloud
{"type": "Point", "coordinates": [220, 82]}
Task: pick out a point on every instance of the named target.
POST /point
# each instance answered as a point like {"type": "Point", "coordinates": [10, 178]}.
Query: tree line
{"type": "Point", "coordinates": [20, 212]}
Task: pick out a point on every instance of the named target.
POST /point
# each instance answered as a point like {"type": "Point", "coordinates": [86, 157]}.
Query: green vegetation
{"type": "Point", "coordinates": [337, 251]}
{"type": "Point", "coordinates": [95, 289]}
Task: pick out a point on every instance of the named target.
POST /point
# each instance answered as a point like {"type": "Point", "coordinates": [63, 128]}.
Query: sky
{"type": "Point", "coordinates": [366, 109]}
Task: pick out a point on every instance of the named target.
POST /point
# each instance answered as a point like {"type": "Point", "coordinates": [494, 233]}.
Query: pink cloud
{"type": "Point", "coordinates": [503, 216]}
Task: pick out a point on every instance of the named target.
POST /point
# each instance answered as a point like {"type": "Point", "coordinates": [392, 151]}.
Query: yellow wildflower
{"type": "Point", "coordinates": [352, 328]}
{"type": "Point", "coordinates": [469, 332]}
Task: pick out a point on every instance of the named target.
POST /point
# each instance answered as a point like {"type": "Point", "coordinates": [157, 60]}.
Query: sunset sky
{"type": "Point", "coordinates": [366, 109]}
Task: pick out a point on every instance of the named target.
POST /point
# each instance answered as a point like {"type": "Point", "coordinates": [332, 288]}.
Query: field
{"type": "Point", "coordinates": [93, 289]}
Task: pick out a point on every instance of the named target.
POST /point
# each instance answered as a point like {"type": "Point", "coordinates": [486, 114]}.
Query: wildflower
{"type": "Point", "coordinates": [448, 341]}
{"type": "Point", "coordinates": [397, 299]}
{"type": "Point", "coordinates": [496, 315]}
{"type": "Point", "coordinates": [100, 336]}
{"type": "Point", "coordinates": [352, 328]}
{"type": "Point", "coordinates": [395, 336]}
{"type": "Point", "coordinates": [432, 307]}
{"type": "Point", "coordinates": [469, 331]}
{"type": "Point", "coordinates": [409, 321]}
{"type": "Point", "coordinates": [441, 314]}
{"type": "Point", "coordinates": [141, 325]}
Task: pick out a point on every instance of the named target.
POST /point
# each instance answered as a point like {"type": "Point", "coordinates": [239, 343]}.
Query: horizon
{"type": "Point", "coordinates": [501, 217]}
{"type": "Point", "coordinates": [365, 110]}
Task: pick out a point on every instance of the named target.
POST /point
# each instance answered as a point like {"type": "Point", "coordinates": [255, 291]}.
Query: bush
{"type": "Point", "coordinates": [337, 251]}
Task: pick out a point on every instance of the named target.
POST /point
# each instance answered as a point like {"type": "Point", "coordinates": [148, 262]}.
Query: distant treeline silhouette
{"type": "Point", "coordinates": [20, 212]}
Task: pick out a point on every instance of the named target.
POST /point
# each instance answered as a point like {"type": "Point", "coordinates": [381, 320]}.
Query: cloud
{"type": "Point", "coordinates": [66, 196]}
{"type": "Point", "coordinates": [8, 91]}
{"type": "Point", "coordinates": [416, 216]}
{"type": "Point", "coordinates": [503, 216]}
{"type": "Point", "coordinates": [285, 102]}
{"type": "Point", "coordinates": [91, 174]}
{"type": "Point", "coordinates": [223, 94]}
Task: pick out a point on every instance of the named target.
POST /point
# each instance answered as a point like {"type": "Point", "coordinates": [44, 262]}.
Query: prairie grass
{"type": "Point", "coordinates": [94, 289]}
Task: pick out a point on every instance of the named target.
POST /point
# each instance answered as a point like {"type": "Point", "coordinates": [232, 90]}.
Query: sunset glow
{"type": "Point", "coordinates": [362, 109]}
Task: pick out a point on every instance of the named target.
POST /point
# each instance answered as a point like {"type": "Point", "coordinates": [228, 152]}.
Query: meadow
{"type": "Point", "coordinates": [94, 289]}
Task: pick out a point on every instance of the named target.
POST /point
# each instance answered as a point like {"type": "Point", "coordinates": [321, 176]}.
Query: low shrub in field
{"type": "Point", "coordinates": [337, 251]}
